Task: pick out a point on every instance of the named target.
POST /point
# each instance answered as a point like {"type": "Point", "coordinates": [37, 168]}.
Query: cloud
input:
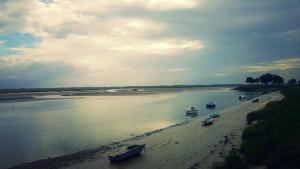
{"type": "Point", "coordinates": [293, 34]}
{"type": "Point", "coordinates": [164, 5]}
{"type": "Point", "coordinates": [40, 16]}
{"type": "Point", "coordinates": [12, 15]}
{"type": "Point", "coordinates": [282, 65]}
{"type": "Point", "coordinates": [122, 42]}
{"type": "Point", "coordinates": [221, 74]}
{"type": "Point", "coordinates": [162, 46]}
{"type": "Point", "coordinates": [179, 69]}
{"type": "Point", "coordinates": [93, 38]}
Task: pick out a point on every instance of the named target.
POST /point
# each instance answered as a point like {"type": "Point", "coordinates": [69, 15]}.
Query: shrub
{"type": "Point", "coordinates": [233, 161]}
{"type": "Point", "coordinates": [275, 139]}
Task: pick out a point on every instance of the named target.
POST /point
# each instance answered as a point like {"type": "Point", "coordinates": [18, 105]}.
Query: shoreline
{"type": "Point", "coordinates": [88, 154]}
{"type": "Point", "coordinates": [198, 152]}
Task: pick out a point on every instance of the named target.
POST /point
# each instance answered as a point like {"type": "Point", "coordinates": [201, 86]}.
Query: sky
{"type": "Point", "coordinates": [65, 43]}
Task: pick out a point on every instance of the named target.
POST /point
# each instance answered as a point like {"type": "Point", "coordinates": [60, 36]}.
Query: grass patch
{"type": "Point", "coordinates": [275, 139]}
{"type": "Point", "coordinates": [233, 161]}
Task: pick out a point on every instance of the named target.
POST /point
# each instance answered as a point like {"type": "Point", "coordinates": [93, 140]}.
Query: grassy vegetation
{"type": "Point", "coordinates": [261, 87]}
{"type": "Point", "coordinates": [233, 161]}
{"type": "Point", "coordinates": [274, 140]}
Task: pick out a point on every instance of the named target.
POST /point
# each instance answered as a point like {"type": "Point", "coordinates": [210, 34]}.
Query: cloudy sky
{"type": "Point", "coordinates": [54, 43]}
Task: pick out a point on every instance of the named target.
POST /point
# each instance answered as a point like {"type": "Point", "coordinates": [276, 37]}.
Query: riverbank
{"type": "Point", "coordinates": [263, 87]}
{"type": "Point", "coordinates": [188, 145]}
{"type": "Point", "coordinates": [272, 138]}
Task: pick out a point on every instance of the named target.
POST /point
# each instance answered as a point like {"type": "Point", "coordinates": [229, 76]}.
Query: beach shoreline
{"type": "Point", "coordinates": [192, 145]}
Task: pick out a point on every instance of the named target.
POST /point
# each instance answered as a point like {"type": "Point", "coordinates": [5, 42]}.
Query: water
{"type": "Point", "coordinates": [41, 129]}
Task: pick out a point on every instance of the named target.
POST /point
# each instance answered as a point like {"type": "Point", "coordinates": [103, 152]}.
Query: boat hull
{"type": "Point", "coordinates": [210, 106]}
{"type": "Point", "coordinates": [126, 155]}
{"type": "Point", "coordinates": [207, 122]}
{"type": "Point", "coordinates": [191, 111]}
{"type": "Point", "coordinates": [214, 115]}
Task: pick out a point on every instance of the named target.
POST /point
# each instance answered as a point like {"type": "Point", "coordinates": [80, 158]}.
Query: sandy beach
{"type": "Point", "coordinates": [188, 145]}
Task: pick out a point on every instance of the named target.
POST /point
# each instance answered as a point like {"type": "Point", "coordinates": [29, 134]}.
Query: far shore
{"type": "Point", "coordinates": [262, 87]}
{"type": "Point", "coordinates": [25, 96]}
{"type": "Point", "coordinates": [186, 145]}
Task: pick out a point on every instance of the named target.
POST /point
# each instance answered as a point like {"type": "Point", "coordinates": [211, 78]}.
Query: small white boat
{"type": "Point", "coordinates": [208, 121]}
{"type": "Point", "coordinates": [191, 111]}
{"type": "Point", "coordinates": [242, 97]}
{"type": "Point", "coordinates": [255, 100]}
{"type": "Point", "coordinates": [215, 115]}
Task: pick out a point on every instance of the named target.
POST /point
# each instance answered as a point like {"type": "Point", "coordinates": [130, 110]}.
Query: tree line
{"type": "Point", "coordinates": [269, 78]}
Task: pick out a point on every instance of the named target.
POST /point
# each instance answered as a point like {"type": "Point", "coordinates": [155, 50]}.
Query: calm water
{"type": "Point", "coordinates": [39, 129]}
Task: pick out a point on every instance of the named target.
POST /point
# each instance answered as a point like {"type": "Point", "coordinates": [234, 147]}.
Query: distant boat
{"type": "Point", "coordinates": [208, 121]}
{"type": "Point", "coordinates": [131, 151]}
{"type": "Point", "coordinates": [192, 111]}
{"type": "Point", "coordinates": [255, 100]}
{"type": "Point", "coordinates": [242, 97]}
{"type": "Point", "coordinates": [214, 115]}
{"type": "Point", "coordinates": [211, 105]}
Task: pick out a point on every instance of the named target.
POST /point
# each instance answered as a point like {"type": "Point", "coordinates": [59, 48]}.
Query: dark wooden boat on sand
{"type": "Point", "coordinates": [131, 151]}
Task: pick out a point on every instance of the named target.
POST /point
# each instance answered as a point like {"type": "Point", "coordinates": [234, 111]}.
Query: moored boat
{"type": "Point", "coordinates": [208, 121]}
{"type": "Point", "coordinates": [215, 115]}
{"type": "Point", "coordinates": [131, 151]}
{"type": "Point", "coordinates": [255, 100]}
{"type": "Point", "coordinates": [211, 105]}
{"type": "Point", "coordinates": [192, 111]}
{"type": "Point", "coordinates": [242, 97]}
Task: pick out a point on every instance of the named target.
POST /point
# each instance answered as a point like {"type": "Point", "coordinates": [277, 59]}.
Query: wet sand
{"type": "Point", "coordinates": [188, 145]}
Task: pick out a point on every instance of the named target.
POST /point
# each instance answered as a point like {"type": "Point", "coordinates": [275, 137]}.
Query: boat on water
{"type": "Point", "coordinates": [255, 100]}
{"type": "Point", "coordinates": [192, 111]}
{"type": "Point", "coordinates": [242, 97]}
{"type": "Point", "coordinates": [215, 115]}
{"type": "Point", "coordinates": [208, 121]}
{"type": "Point", "coordinates": [130, 151]}
{"type": "Point", "coordinates": [211, 105]}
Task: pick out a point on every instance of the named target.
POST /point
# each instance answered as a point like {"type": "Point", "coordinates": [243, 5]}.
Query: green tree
{"type": "Point", "coordinates": [292, 82]}
{"type": "Point", "coordinates": [277, 79]}
{"type": "Point", "coordinates": [256, 80]}
{"type": "Point", "coordinates": [266, 78]}
{"type": "Point", "coordinates": [249, 80]}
